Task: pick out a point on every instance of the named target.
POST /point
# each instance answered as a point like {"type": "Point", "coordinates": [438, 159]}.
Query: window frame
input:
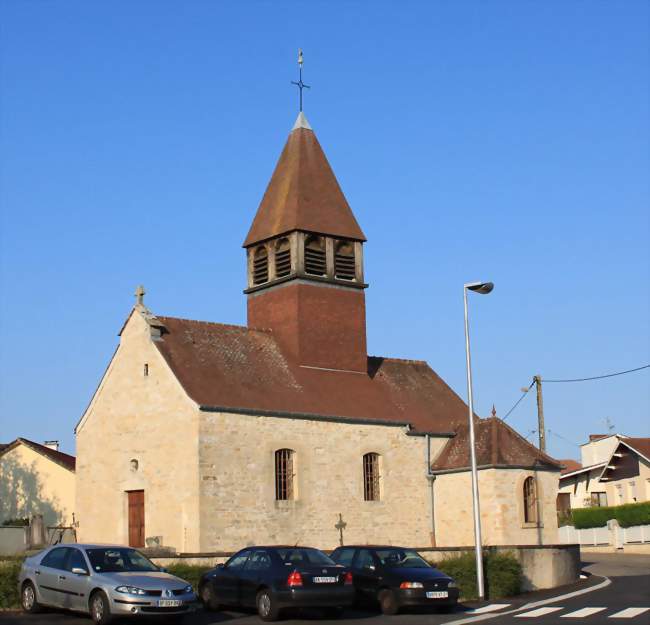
{"type": "Point", "coordinates": [371, 476]}
{"type": "Point", "coordinates": [284, 474]}
{"type": "Point", "coordinates": [530, 501]}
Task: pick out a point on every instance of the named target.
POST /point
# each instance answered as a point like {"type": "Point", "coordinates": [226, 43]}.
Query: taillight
{"type": "Point", "coordinates": [294, 579]}
{"type": "Point", "coordinates": [348, 578]}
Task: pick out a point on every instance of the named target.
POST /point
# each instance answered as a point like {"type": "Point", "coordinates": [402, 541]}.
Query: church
{"type": "Point", "coordinates": [206, 437]}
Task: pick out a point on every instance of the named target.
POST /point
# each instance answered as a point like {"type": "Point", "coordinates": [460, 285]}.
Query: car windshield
{"type": "Point", "coordinates": [402, 559]}
{"type": "Point", "coordinates": [295, 556]}
{"type": "Point", "coordinates": [118, 559]}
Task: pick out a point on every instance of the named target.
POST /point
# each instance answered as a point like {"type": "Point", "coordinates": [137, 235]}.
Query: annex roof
{"type": "Point", "coordinates": [580, 470]}
{"type": "Point", "coordinates": [238, 369]}
{"type": "Point", "coordinates": [497, 445]}
{"type": "Point", "coordinates": [570, 465]}
{"type": "Point", "coordinates": [640, 445]}
{"type": "Point", "coordinates": [65, 460]}
{"type": "Point", "coordinates": [303, 193]}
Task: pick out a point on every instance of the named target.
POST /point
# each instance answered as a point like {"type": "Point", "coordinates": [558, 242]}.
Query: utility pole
{"type": "Point", "coordinates": [540, 413]}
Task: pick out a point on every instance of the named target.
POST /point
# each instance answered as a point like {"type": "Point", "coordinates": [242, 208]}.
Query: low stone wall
{"type": "Point", "coordinates": [13, 540]}
{"type": "Point", "coordinates": [544, 566]}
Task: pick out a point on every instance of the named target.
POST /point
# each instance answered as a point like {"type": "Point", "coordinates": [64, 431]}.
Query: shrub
{"type": "Point", "coordinates": [189, 572]}
{"type": "Point", "coordinates": [627, 515]}
{"type": "Point", "coordinates": [503, 575]}
{"type": "Point", "coordinates": [9, 570]}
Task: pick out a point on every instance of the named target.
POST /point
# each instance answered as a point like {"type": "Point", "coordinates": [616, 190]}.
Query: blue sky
{"type": "Point", "coordinates": [503, 141]}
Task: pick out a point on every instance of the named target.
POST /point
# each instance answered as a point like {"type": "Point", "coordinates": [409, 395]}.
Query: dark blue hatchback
{"type": "Point", "coordinates": [273, 579]}
{"type": "Point", "coordinates": [396, 577]}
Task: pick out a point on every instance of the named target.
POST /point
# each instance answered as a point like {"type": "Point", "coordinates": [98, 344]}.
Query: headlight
{"type": "Point", "coordinates": [131, 590]}
{"type": "Point", "coordinates": [188, 588]}
{"type": "Point", "coordinates": [411, 585]}
{"type": "Point", "coordinates": [452, 584]}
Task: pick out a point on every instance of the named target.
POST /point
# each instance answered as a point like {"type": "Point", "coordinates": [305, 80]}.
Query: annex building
{"type": "Point", "coordinates": [207, 437]}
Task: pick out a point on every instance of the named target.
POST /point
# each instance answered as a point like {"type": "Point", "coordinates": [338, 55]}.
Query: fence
{"type": "Point", "coordinates": [608, 535]}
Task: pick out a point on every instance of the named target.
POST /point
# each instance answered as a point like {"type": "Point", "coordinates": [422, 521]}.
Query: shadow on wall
{"type": "Point", "coordinates": [22, 496]}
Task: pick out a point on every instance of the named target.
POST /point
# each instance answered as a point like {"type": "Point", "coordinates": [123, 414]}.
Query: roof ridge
{"type": "Point", "coordinates": [538, 451]}
{"type": "Point", "coordinates": [216, 323]}
{"type": "Point", "coordinates": [409, 360]}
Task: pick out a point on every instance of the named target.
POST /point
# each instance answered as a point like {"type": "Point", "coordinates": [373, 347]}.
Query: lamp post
{"type": "Point", "coordinates": [483, 288]}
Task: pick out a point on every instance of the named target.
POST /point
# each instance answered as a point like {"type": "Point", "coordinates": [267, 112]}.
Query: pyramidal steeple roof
{"type": "Point", "coordinates": [303, 193]}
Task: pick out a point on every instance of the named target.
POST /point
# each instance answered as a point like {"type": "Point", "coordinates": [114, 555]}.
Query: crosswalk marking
{"type": "Point", "coordinates": [493, 607]}
{"type": "Point", "coordinates": [538, 612]}
{"type": "Point", "coordinates": [629, 613]}
{"type": "Point", "coordinates": [582, 612]}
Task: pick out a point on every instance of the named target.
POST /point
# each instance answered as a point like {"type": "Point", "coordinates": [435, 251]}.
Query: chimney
{"type": "Point", "coordinates": [52, 445]}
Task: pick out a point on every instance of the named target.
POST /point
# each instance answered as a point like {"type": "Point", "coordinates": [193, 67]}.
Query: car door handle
{"type": "Point", "coordinates": [62, 577]}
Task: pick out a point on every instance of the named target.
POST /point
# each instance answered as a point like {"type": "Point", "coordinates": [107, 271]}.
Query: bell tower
{"type": "Point", "coordinates": [305, 261]}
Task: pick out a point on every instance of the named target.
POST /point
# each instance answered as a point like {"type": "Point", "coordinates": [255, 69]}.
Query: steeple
{"type": "Point", "coordinates": [303, 241]}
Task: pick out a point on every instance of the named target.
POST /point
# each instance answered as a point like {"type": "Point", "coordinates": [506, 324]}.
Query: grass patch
{"type": "Point", "coordinates": [9, 570]}
{"type": "Point", "coordinates": [189, 572]}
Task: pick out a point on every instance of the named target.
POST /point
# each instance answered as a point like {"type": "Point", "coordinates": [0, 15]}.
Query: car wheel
{"type": "Point", "coordinates": [208, 599]}
{"type": "Point", "coordinates": [267, 607]}
{"type": "Point", "coordinates": [28, 598]}
{"type": "Point", "coordinates": [333, 612]}
{"type": "Point", "coordinates": [100, 609]}
{"type": "Point", "coordinates": [388, 601]}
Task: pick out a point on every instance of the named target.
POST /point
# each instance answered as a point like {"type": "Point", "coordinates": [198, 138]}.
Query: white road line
{"type": "Point", "coordinates": [582, 612]}
{"type": "Point", "coordinates": [538, 612]}
{"type": "Point", "coordinates": [629, 613]}
{"type": "Point", "coordinates": [492, 607]}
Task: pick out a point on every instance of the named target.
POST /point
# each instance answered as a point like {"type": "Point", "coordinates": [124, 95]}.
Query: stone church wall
{"type": "Point", "coordinates": [238, 506]}
{"type": "Point", "coordinates": [145, 418]}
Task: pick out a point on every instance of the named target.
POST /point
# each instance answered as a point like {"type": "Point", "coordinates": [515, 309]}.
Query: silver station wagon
{"type": "Point", "coordinates": [103, 581]}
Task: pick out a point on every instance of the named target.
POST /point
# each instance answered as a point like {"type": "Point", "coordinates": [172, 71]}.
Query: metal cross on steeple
{"type": "Point", "coordinates": [301, 85]}
{"type": "Point", "coordinates": [139, 296]}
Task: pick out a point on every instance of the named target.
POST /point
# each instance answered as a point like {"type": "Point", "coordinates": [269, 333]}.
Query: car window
{"type": "Point", "coordinates": [364, 560]}
{"type": "Point", "coordinates": [238, 561]}
{"type": "Point", "coordinates": [295, 556]}
{"type": "Point", "coordinates": [55, 559]}
{"type": "Point", "coordinates": [343, 556]}
{"type": "Point", "coordinates": [401, 559]}
{"type": "Point", "coordinates": [259, 561]}
{"type": "Point", "coordinates": [76, 560]}
{"type": "Point", "coordinates": [118, 559]}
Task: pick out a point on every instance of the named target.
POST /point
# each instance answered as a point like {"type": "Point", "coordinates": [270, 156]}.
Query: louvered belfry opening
{"type": "Point", "coordinates": [283, 474]}
{"type": "Point", "coordinates": [371, 477]}
{"type": "Point", "coordinates": [260, 265]}
{"type": "Point", "coordinates": [315, 256]}
{"type": "Point", "coordinates": [530, 500]}
{"type": "Point", "coordinates": [282, 258]}
{"type": "Point", "coordinates": [344, 262]}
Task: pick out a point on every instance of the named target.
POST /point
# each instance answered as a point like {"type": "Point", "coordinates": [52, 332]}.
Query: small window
{"type": "Point", "coordinates": [599, 500]}
{"type": "Point", "coordinates": [146, 369]}
{"type": "Point", "coordinates": [260, 265]}
{"type": "Point", "coordinates": [284, 474]}
{"type": "Point", "coordinates": [344, 263]}
{"type": "Point", "coordinates": [76, 560]}
{"type": "Point", "coordinates": [238, 561]}
{"type": "Point", "coordinates": [371, 477]}
{"type": "Point", "coordinates": [530, 500]}
{"type": "Point", "coordinates": [315, 263]}
{"type": "Point", "coordinates": [282, 258]}
{"type": "Point", "coordinates": [55, 559]}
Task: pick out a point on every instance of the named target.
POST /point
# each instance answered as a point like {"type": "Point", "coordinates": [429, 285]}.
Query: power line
{"type": "Point", "coordinates": [600, 377]}
{"type": "Point", "coordinates": [566, 440]}
{"type": "Point", "coordinates": [517, 402]}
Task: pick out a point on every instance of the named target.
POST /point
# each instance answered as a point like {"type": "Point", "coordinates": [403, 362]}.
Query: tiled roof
{"type": "Point", "coordinates": [59, 457]}
{"type": "Point", "coordinates": [570, 465]}
{"type": "Point", "coordinates": [303, 194]}
{"type": "Point", "coordinates": [240, 369]}
{"type": "Point", "coordinates": [640, 445]}
{"type": "Point", "coordinates": [497, 444]}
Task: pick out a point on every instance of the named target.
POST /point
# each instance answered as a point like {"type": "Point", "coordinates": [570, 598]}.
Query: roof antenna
{"type": "Point", "coordinates": [301, 85]}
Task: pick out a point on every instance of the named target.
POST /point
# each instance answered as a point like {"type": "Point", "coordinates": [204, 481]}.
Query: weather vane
{"type": "Point", "coordinates": [301, 85]}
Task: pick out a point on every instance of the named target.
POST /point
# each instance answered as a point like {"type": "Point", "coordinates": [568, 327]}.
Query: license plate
{"type": "Point", "coordinates": [325, 580]}
{"type": "Point", "coordinates": [438, 594]}
{"type": "Point", "coordinates": [169, 603]}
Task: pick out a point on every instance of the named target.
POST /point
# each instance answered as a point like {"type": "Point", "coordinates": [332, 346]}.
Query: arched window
{"type": "Point", "coordinates": [282, 258]}
{"type": "Point", "coordinates": [371, 477]}
{"type": "Point", "coordinates": [284, 474]}
{"type": "Point", "coordinates": [344, 265]}
{"type": "Point", "coordinates": [530, 500]}
{"type": "Point", "coordinates": [315, 263]}
{"type": "Point", "coordinates": [260, 265]}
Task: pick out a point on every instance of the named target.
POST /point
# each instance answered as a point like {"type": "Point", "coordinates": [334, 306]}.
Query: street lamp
{"type": "Point", "coordinates": [483, 288]}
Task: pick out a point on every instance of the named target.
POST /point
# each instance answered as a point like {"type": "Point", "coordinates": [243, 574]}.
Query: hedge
{"type": "Point", "coordinates": [503, 575]}
{"type": "Point", "coordinates": [9, 571]}
{"type": "Point", "coordinates": [189, 572]}
{"type": "Point", "coordinates": [627, 515]}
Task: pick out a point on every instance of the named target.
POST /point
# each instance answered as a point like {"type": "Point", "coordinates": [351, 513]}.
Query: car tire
{"type": "Point", "coordinates": [100, 609]}
{"type": "Point", "coordinates": [267, 607]}
{"type": "Point", "coordinates": [388, 602]}
{"type": "Point", "coordinates": [209, 601]}
{"type": "Point", "coordinates": [28, 599]}
{"type": "Point", "coordinates": [333, 613]}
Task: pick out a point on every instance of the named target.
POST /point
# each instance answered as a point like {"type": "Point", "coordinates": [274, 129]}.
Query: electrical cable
{"type": "Point", "coordinates": [566, 440]}
{"type": "Point", "coordinates": [517, 402]}
{"type": "Point", "coordinates": [600, 377]}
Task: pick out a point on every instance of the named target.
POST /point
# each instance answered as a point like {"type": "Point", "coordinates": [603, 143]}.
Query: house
{"type": "Point", "coordinates": [615, 469]}
{"type": "Point", "coordinates": [206, 437]}
{"type": "Point", "coordinates": [36, 479]}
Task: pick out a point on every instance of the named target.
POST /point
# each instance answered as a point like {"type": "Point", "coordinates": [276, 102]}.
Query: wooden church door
{"type": "Point", "coordinates": [136, 518]}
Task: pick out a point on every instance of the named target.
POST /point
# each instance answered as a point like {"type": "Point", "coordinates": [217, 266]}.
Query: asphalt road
{"type": "Point", "coordinates": [621, 601]}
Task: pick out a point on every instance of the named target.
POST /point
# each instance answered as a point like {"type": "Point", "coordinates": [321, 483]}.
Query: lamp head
{"type": "Point", "coordinates": [480, 287]}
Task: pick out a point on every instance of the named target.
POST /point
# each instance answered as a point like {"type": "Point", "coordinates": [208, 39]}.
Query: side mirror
{"type": "Point", "coordinates": [220, 565]}
{"type": "Point", "coordinates": [79, 571]}
{"type": "Point", "coordinates": [162, 569]}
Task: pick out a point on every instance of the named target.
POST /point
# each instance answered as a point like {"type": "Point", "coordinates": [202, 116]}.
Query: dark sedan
{"type": "Point", "coordinates": [396, 577]}
{"type": "Point", "coordinates": [272, 579]}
